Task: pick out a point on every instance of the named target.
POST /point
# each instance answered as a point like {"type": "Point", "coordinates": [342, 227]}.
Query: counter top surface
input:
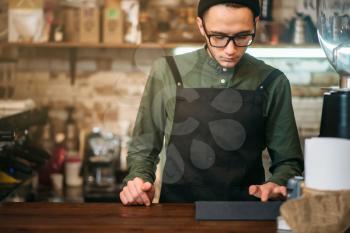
{"type": "Point", "coordinates": [114, 217]}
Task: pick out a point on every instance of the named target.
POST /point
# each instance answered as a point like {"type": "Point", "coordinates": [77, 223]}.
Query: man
{"type": "Point", "coordinates": [212, 112]}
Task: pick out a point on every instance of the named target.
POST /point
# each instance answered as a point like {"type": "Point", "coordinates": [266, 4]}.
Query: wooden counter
{"type": "Point", "coordinates": [113, 218]}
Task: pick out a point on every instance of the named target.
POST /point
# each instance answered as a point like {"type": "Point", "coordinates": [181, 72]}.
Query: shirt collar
{"type": "Point", "coordinates": [213, 63]}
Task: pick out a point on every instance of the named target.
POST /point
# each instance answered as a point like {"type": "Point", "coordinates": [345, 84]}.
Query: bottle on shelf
{"type": "Point", "coordinates": [46, 143]}
{"type": "Point", "coordinates": [73, 160]}
{"type": "Point", "coordinates": [59, 154]}
{"type": "Point", "coordinates": [57, 162]}
{"type": "Point", "coordinates": [266, 10]}
{"type": "Point", "coordinates": [72, 138]}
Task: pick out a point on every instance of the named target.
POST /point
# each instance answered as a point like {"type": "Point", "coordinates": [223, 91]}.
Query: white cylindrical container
{"type": "Point", "coordinates": [327, 162]}
{"type": "Point", "coordinates": [72, 172]}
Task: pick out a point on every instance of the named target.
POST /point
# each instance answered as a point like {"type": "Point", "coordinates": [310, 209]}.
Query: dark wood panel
{"type": "Point", "coordinates": [90, 217]}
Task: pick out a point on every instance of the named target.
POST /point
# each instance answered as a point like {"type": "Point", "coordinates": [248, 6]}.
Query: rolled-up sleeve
{"type": "Point", "coordinates": [148, 133]}
{"type": "Point", "coordinates": [282, 137]}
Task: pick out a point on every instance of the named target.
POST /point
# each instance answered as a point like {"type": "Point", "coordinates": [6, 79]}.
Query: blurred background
{"type": "Point", "coordinates": [72, 74]}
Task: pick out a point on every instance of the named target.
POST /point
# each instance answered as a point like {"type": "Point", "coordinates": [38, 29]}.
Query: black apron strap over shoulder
{"type": "Point", "coordinates": [174, 70]}
{"type": "Point", "coordinates": [272, 76]}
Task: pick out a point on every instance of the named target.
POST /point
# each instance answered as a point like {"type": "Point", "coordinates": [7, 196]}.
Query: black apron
{"type": "Point", "coordinates": [215, 147]}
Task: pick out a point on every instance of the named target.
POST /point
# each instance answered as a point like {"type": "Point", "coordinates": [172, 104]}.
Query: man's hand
{"type": "Point", "coordinates": [137, 192]}
{"type": "Point", "coordinates": [268, 191]}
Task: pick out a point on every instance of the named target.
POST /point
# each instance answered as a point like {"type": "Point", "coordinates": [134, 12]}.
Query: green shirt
{"type": "Point", "coordinates": [198, 70]}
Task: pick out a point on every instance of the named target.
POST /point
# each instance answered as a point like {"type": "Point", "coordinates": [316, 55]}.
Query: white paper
{"type": "Point", "coordinates": [131, 10]}
{"type": "Point", "coordinates": [327, 164]}
{"type": "Point", "coordinates": [26, 24]}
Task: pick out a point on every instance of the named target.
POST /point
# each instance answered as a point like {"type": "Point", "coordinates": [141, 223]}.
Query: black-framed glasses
{"type": "Point", "coordinates": [221, 41]}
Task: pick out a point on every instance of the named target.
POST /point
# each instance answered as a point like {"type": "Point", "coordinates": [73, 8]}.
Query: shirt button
{"type": "Point", "coordinates": [223, 81]}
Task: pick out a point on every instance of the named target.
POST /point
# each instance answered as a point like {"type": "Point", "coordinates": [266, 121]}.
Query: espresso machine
{"type": "Point", "coordinates": [101, 162]}
{"type": "Point", "coordinates": [334, 36]}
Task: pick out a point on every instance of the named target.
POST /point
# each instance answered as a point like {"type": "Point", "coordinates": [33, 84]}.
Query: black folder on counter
{"type": "Point", "coordinates": [237, 210]}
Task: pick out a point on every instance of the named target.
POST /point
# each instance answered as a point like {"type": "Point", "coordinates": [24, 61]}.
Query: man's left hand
{"type": "Point", "coordinates": [268, 191]}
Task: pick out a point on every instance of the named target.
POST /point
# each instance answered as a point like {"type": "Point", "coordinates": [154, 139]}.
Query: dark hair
{"type": "Point", "coordinates": [253, 5]}
{"type": "Point", "coordinates": [232, 5]}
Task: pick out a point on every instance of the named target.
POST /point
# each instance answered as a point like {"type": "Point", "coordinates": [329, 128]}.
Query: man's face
{"type": "Point", "coordinates": [227, 21]}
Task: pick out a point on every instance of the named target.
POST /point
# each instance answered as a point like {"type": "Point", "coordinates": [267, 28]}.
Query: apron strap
{"type": "Point", "coordinates": [272, 76]}
{"type": "Point", "coordinates": [174, 70]}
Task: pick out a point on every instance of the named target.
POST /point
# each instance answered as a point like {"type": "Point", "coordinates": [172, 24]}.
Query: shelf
{"type": "Point", "coordinates": [77, 45]}
{"type": "Point", "coordinates": [287, 51]}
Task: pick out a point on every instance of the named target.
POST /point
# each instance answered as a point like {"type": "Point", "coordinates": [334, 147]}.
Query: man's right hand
{"type": "Point", "coordinates": [137, 192]}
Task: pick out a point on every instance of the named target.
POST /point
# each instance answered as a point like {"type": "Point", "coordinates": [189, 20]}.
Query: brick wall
{"type": "Point", "coordinates": [107, 89]}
